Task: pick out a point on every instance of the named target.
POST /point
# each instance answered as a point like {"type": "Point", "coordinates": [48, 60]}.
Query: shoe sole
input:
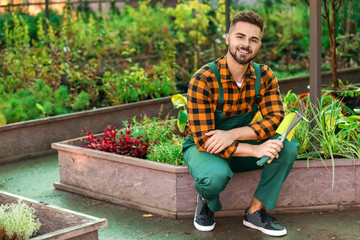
{"type": "Point", "coordinates": [266, 231]}
{"type": "Point", "coordinates": [204, 228]}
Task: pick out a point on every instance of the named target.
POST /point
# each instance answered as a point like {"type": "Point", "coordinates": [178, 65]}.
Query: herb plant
{"type": "Point", "coordinates": [169, 152]}
{"type": "Point", "coordinates": [17, 221]}
{"type": "Point", "coordinates": [154, 129]}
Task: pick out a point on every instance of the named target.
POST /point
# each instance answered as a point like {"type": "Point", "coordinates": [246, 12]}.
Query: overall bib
{"type": "Point", "coordinates": [212, 172]}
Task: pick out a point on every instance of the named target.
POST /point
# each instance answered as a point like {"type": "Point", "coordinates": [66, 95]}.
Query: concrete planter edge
{"type": "Point", "coordinates": [168, 190]}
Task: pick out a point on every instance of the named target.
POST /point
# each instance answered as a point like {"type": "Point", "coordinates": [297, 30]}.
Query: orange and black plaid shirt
{"type": "Point", "coordinates": [203, 93]}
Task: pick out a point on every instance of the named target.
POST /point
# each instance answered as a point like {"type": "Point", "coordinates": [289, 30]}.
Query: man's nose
{"type": "Point", "coordinates": [245, 42]}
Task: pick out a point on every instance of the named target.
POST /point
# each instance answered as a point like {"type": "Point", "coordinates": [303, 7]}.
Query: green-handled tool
{"type": "Point", "coordinates": [286, 129]}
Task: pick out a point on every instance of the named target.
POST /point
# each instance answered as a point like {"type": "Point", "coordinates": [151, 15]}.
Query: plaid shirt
{"type": "Point", "coordinates": [203, 93]}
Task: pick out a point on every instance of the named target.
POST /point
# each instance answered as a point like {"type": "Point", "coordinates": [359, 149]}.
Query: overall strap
{"type": "Point", "coordinates": [257, 85]}
{"type": "Point", "coordinates": [221, 90]}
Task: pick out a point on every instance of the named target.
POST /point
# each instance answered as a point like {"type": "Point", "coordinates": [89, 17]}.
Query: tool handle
{"type": "Point", "coordinates": [262, 161]}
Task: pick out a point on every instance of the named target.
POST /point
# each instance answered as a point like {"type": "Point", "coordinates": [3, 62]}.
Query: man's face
{"type": "Point", "coordinates": [244, 41]}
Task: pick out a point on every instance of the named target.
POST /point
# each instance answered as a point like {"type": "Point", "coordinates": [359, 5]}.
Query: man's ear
{"type": "Point", "coordinates": [227, 39]}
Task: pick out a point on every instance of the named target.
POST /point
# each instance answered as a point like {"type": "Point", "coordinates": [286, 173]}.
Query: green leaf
{"type": "Point", "coordinates": [41, 108]}
{"type": "Point", "coordinates": [353, 118]}
{"type": "Point", "coordinates": [178, 101]}
{"type": "Point", "coordinates": [182, 119]}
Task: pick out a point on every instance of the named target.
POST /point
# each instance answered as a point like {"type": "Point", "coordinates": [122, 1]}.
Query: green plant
{"type": "Point", "coordinates": [352, 129]}
{"type": "Point", "coordinates": [332, 134]}
{"type": "Point", "coordinates": [325, 140]}
{"type": "Point", "coordinates": [165, 146]}
{"type": "Point", "coordinates": [179, 101]}
{"type": "Point", "coordinates": [169, 152]}
{"type": "Point", "coordinates": [155, 129]}
{"type": "Point", "coordinates": [18, 221]}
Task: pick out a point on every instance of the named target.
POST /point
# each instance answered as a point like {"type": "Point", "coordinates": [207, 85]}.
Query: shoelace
{"type": "Point", "coordinates": [265, 217]}
{"type": "Point", "coordinates": [206, 210]}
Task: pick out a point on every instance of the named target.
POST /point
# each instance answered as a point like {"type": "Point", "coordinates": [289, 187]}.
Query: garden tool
{"type": "Point", "coordinates": [286, 128]}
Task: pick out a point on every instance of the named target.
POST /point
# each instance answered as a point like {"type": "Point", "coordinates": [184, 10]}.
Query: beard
{"type": "Point", "coordinates": [243, 60]}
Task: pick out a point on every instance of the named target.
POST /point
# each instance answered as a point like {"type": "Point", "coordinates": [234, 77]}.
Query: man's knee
{"type": "Point", "coordinates": [212, 183]}
{"type": "Point", "coordinates": [289, 151]}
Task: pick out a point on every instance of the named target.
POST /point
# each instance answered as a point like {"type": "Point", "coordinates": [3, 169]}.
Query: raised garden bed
{"type": "Point", "coordinates": [33, 138]}
{"type": "Point", "coordinates": [59, 223]}
{"type": "Point", "coordinates": [43, 132]}
{"type": "Point", "coordinates": [168, 190]}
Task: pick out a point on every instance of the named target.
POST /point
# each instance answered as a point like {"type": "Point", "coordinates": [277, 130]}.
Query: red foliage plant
{"type": "Point", "coordinates": [119, 142]}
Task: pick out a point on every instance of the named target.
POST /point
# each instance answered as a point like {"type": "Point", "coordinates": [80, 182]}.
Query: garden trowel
{"type": "Point", "coordinates": [286, 129]}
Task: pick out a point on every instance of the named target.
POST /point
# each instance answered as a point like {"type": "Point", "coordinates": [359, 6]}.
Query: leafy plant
{"type": "Point", "coordinates": [17, 221]}
{"type": "Point", "coordinates": [352, 128]}
{"type": "Point", "coordinates": [165, 146]}
{"type": "Point", "coordinates": [169, 152]}
{"type": "Point", "coordinates": [119, 142]}
{"type": "Point", "coordinates": [332, 135]}
{"type": "Point", "coordinates": [179, 101]}
{"type": "Point", "coordinates": [153, 129]}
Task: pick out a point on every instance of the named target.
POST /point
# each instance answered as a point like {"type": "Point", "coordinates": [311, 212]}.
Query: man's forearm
{"type": "Point", "coordinates": [244, 133]}
{"type": "Point", "coordinates": [245, 150]}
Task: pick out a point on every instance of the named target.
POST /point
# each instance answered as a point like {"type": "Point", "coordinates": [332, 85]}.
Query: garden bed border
{"type": "Point", "coordinates": [168, 190]}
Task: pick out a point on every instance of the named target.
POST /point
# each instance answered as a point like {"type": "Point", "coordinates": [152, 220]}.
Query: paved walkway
{"type": "Point", "coordinates": [33, 179]}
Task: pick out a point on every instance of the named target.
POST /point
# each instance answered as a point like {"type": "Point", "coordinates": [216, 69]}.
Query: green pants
{"type": "Point", "coordinates": [212, 173]}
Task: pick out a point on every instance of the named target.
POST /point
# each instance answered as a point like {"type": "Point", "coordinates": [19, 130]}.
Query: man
{"type": "Point", "coordinates": [223, 98]}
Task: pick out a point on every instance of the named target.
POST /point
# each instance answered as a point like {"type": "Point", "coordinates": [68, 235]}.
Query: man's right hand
{"type": "Point", "coordinates": [270, 148]}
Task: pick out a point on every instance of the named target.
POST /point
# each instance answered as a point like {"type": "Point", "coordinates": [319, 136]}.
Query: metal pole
{"type": "Point", "coordinates": [47, 9]}
{"type": "Point", "coordinates": [315, 51]}
{"type": "Point", "coordinates": [227, 14]}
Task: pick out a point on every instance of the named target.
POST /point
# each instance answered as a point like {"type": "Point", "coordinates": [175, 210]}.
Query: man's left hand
{"type": "Point", "coordinates": [218, 141]}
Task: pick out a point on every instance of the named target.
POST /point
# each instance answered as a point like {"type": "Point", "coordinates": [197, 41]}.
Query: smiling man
{"type": "Point", "coordinates": [223, 97]}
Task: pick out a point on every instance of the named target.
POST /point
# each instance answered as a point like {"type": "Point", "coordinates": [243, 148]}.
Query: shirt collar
{"type": "Point", "coordinates": [224, 71]}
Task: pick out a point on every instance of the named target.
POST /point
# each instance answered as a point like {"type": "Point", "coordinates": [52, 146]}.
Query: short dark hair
{"type": "Point", "coordinates": [249, 17]}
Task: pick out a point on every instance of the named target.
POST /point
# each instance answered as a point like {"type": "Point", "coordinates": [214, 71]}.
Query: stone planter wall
{"type": "Point", "coordinates": [300, 84]}
{"type": "Point", "coordinates": [168, 190]}
{"type": "Point", "coordinates": [33, 138]}
{"type": "Point", "coordinates": [59, 223]}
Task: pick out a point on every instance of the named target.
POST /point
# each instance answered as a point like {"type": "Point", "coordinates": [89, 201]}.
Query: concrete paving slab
{"type": "Point", "coordinates": [34, 179]}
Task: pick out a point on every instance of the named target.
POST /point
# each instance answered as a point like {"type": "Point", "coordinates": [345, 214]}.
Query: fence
{"type": "Point", "coordinates": [36, 6]}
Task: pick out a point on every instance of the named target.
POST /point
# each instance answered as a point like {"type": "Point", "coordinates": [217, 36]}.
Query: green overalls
{"type": "Point", "coordinates": [212, 172]}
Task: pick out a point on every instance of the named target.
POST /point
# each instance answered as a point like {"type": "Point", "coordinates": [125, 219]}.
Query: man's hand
{"type": "Point", "coordinates": [218, 141]}
{"type": "Point", "coordinates": [270, 148]}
